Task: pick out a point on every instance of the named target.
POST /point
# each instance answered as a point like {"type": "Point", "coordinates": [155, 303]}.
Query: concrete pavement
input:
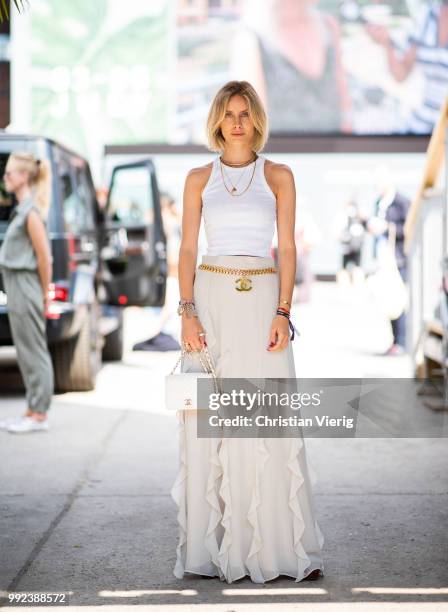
{"type": "Point", "coordinates": [85, 508]}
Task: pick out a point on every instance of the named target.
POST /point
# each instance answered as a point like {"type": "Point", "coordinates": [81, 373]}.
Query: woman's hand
{"type": "Point", "coordinates": [279, 336]}
{"type": "Point", "coordinates": [191, 328]}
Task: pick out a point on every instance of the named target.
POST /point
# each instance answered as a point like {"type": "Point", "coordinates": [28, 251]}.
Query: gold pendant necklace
{"type": "Point", "coordinates": [234, 186]}
{"type": "Point", "coordinates": [234, 189]}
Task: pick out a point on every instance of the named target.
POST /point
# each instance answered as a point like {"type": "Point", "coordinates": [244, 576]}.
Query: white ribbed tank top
{"type": "Point", "coordinates": [239, 225]}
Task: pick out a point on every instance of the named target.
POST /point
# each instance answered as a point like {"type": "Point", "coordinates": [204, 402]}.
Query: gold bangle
{"type": "Point", "coordinates": [285, 302]}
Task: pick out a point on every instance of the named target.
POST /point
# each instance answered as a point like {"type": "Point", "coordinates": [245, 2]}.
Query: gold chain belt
{"type": "Point", "coordinates": [243, 283]}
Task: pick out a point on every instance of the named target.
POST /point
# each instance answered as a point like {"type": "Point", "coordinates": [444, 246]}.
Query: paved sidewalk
{"type": "Point", "coordinates": [85, 508]}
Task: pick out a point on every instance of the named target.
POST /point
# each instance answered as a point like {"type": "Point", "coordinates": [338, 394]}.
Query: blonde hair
{"type": "Point", "coordinates": [39, 178]}
{"type": "Point", "coordinates": [217, 113]}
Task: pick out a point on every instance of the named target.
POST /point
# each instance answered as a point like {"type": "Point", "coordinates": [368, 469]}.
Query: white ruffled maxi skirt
{"type": "Point", "coordinates": [244, 505]}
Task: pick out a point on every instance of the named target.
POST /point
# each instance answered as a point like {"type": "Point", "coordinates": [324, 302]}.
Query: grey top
{"type": "Point", "coordinates": [297, 102]}
{"type": "Point", "coordinates": [16, 251]}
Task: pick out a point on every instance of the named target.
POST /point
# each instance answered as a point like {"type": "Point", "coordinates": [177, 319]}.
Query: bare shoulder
{"type": "Point", "coordinates": [197, 177]}
{"type": "Point", "coordinates": [34, 217]}
{"type": "Point", "coordinates": [278, 175]}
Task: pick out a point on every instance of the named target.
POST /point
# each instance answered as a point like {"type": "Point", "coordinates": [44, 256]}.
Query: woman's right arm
{"type": "Point", "coordinates": [400, 67]}
{"type": "Point", "coordinates": [41, 245]}
{"type": "Point", "coordinates": [191, 222]}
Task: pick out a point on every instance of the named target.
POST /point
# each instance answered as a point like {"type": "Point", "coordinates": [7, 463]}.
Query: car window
{"type": "Point", "coordinates": [77, 213]}
{"type": "Point", "coordinates": [131, 200]}
{"type": "Point", "coordinates": [86, 196]}
{"type": "Point", "coordinates": [7, 200]}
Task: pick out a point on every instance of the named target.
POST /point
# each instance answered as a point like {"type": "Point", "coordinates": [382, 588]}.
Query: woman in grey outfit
{"type": "Point", "coordinates": [26, 267]}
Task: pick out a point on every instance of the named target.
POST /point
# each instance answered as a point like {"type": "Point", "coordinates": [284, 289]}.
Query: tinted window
{"type": "Point", "coordinates": [7, 200]}
{"type": "Point", "coordinates": [131, 197]}
{"type": "Point", "coordinates": [76, 199]}
{"type": "Point", "coordinates": [85, 195]}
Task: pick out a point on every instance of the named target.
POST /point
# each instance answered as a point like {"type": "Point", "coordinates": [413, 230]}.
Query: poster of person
{"type": "Point", "coordinates": [101, 73]}
{"type": "Point", "coordinates": [320, 66]}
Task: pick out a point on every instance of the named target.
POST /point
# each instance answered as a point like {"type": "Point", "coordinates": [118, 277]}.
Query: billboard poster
{"type": "Point", "coordinates": [321, 66]}
{"type": "Point", "coordinates": [103, 72]}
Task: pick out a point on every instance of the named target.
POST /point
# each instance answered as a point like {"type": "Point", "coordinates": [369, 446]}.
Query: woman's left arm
{"type": "Point", "coordinates": [283, 186]}
{"type": "Point", "coordinates": [39, 239]}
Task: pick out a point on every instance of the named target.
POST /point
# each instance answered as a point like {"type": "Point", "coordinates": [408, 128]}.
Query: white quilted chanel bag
{"type": "Point", "coordinates": [181, 389]}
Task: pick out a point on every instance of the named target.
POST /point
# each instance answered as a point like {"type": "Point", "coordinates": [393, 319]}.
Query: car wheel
{"type": "Point", "coordinates": [77, 361]}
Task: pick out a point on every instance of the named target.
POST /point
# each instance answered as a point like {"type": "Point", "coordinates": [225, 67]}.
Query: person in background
{"type": "Point", "coordinates": [293, 59]}
{"type": "Point", "coordinates": [427, 46]}
{"type": "Point", "coordinates": [102, 193]}
{"type": "Point", "coordinates": [26, 267]}
{"type": "Point", "coordinates": [308, 236]}
{"type": "Point", "coordinates": [172, 223]}
{"type": "Point", "coordinates": [351, 227]}
{"type": "Point", "coordinates": [391, 207]}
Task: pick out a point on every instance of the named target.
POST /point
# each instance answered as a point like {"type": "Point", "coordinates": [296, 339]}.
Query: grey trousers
{"type": "Point", "coordinates": [28, 329]}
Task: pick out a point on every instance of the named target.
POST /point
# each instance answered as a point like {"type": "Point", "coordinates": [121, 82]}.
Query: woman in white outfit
{"type": "Point", "coordinates": [245, 505]}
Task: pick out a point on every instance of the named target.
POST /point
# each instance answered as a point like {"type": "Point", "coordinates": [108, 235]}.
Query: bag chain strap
{"type": "Point", "coordinates": [209, 361]}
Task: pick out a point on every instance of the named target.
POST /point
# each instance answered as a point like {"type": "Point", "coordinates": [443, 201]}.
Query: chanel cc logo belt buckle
{"type": "Point", "coordinates": [243, 284]}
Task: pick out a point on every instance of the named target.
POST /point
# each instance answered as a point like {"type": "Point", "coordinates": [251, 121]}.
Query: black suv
{"type": "Point", "coordinates": [103, 260]}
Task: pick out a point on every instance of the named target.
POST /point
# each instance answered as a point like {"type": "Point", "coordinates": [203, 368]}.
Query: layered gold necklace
{"type": "Point", "coordinates": [234, 189]}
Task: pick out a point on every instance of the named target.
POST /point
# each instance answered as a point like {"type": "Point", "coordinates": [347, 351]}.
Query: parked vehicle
{"type": "Point", "coordinates": [103, 259]}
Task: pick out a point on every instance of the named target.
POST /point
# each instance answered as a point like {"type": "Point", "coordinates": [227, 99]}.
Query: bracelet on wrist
{"type": "Point", "coordinates": [292, 327]}
{"type": "Point", "coordinates": [188, 308]}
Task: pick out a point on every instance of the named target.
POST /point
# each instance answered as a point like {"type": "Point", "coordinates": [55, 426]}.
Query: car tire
{"type": "Point", "coordinates": [113, 342]}
{"type": "Point", "coordinates": [77, 361]}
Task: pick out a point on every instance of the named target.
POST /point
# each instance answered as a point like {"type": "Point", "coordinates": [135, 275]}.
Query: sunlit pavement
{"type": "Point", "coordinates": [85, 508]}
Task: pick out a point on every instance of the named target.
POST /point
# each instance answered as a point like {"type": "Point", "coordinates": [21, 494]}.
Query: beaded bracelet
{"type": "Point", "coordinates": [292, 327]}
{"type": "Point", "coordinates": [284, 309]}
{"type": "Point", "coordinates": [188, 308]}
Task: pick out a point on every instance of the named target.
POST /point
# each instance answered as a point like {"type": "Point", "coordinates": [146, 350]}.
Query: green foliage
{"type": "Point", "coordinates": [84, 52]}
{"type": "Point", "coordinates": [4, 13]}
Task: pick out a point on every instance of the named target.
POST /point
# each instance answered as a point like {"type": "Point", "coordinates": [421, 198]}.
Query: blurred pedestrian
{"type": "Point", "coordinates": [172, 223]}
{"type": "Point", "coordinates": [351, 230]}
{"type": "Point", "coordinates": [26, 267]}
{"type": "Point", "coordinates": [391, 207]}
{"type": "Point", "coordinates": [307, 236]}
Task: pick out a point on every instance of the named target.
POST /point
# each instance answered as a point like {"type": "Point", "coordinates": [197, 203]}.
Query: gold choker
{"type": "Point", "coordinates": [247, 163]}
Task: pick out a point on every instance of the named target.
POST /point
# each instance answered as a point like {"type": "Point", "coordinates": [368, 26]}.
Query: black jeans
{"type": "Point", "coordinates": [399, 325]}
